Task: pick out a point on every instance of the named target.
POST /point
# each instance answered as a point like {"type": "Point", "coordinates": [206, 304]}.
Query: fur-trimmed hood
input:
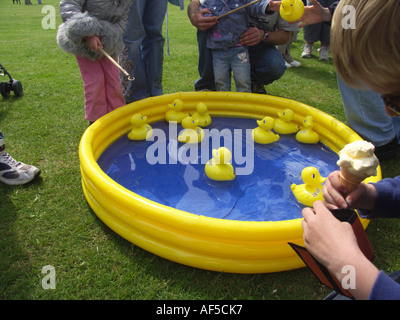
{"type": "Point", "coordinates": [84, 18]}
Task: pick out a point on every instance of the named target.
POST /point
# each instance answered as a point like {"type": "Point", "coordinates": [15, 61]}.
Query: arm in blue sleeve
{"type": "Point", "coordinates": [388, 200]}
{"type": "Point", "coordinates": [385, 288]}
{"type": "Point", "coordinates": [258, 9]}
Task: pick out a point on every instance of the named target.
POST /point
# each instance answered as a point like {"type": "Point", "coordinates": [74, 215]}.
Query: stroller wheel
{"type": "Point", "coordinates": [4, 90]}
{"type": "Point", "coordinates": [17, 88]}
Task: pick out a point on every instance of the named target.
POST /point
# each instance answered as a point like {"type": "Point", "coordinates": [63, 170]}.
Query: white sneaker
{"type": "Point", "coordinates": [13, 172]}
{"type": "Point", "coordinates": [324, 53]}
{"type": "Point", "coordinates": [307, 52]}
{"type": "Point", "coordinates": [287, 65]}
{"type": "Point", "coordinates": [295, 64]}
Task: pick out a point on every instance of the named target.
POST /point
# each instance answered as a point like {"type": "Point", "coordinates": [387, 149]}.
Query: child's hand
{"type": "Point", "coordinates": [274, 5]}
{"type": "Point", "coordinates": [334, 244]}
{"type": "Point", "coordinates": [94, 43]}
{"type": "Point", "coordinates": [330, 241]}
{"type": "Point", "coordinates": [336, 195]}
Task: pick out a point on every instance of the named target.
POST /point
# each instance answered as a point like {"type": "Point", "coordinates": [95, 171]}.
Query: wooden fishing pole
{"type": "Point", "coordinates": [116, 64]}
{"type": "Point", "coordinates": [237, 9]}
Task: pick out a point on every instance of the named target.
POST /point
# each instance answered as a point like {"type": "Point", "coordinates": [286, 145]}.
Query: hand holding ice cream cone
{"type": "Point", "coordinates": [357, 162]}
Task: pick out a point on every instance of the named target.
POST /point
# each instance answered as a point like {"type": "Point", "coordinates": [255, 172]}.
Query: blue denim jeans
{"type": "Point", "coordinates": [205, 66]}
{"type": "Point", "coordinates": [144, 49]}
{"type": "Point", "coordinates": [234, 59]}
{"type": "Point", "coordinates": [365, 114]}
{"type": "Point", "coordinates": [318, 31]}
{"type": "Point", "coordinates": [1, 140]}
{"type": "Point", "coordinates": [267, 64]}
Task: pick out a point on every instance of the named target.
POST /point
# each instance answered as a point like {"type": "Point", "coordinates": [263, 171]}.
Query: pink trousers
{"type": "Point", "coordinates": [102, 87]}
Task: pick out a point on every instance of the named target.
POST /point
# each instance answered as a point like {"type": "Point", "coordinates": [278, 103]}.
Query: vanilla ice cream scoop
{"type": "Point", "coordinates": [359, 158]}
{"type": "Point", "coordinates": [357, 162]}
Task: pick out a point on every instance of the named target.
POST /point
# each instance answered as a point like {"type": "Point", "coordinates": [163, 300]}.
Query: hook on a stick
{"type": "Point", "coordinates": [116, 64]}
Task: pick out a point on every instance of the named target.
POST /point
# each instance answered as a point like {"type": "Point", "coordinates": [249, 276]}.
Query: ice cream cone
{"type": "Point", "coordinates": [350, 180]}
{"type": "Point", "coordinates": [357, 162]}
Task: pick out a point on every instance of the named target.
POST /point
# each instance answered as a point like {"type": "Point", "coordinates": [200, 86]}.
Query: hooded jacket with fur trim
{"type": "Point", "coordinates": [85, 18]}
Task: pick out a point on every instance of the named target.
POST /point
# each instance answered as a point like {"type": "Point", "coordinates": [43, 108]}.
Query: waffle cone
{"type": "Point", "coordinates": [350, 180]}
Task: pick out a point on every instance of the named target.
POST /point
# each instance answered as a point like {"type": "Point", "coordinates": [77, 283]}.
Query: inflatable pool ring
{"type": "Point", "coordinates": [191, 239]}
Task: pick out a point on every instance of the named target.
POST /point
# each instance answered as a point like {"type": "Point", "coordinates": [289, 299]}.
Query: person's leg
{"type": "Point", "coordinates": [112, 85]}
{"type": "Point", "coordinates": [267, 64]}
{"type": "Point", "coordinates": [153, 44]}
{"type": "Point", "coordinates": [222, 70]}
{"type": "Point", "coordinates": [205, 66]}
{"type": "Point", "coordinates": [325, 38]}
{"type": "Point", "coordinates": [132, 59]}
{"type": "Point", "coordinates": [365, 114]}
{"type": "Point", "coordinates": [311, 34]}
{"type": "Point", "coordinates": [93, 85]}
{"type": "Point", "coordinates": [284, 49]}
{"type": "Point", "coordinates": [240, 65]}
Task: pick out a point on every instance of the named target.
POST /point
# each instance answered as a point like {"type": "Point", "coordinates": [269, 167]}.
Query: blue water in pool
{"type": "Point", "coordinates": [171, 173]}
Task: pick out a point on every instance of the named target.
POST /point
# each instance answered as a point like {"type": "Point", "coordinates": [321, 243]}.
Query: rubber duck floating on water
{"type": "Point", "coordinates": [175, 113]}
{"type": "Point", "coordinates": [291, 10]}
{"type": "Point", "coordinates": [311, 190]}
{"type": "Point", "coordinates": [308, 135]}
{"type": "Point", "coordinates": [201, 115]}
{"type": "Point", "coordinates": [191, 133]}
{"type": "Point", "coordinates": [283, 124]}
{"type": "Point", "coordinates": [141, 130]}
{"type": "Point", "coordinates": [263, 134]}
{"type": "Point", "coordinates": [218, 168]}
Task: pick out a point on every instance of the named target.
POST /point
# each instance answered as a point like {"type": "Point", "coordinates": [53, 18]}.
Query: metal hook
{"type": "Point", "coordinates": [117, 64]}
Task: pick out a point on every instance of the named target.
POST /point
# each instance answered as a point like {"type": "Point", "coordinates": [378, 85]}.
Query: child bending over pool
{"type": "Point", "coordinates": [367, 55]}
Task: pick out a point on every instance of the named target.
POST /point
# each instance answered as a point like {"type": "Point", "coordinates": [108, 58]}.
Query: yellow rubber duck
{"type": "Point", "coordinates": [191, 133]}
{"type": "Point", "coordinates": [201, 115]}
{"type": "Point", "coordinates": [311, 190]}
{"type": "Point", "coordinates": [218, 168]}
{"type": "Point", "coordinates": [308, 135]}
{"type": "Point", "coordinates": [283, 124]}
{"type": "Point", "coordinates": [141, 130]}
{"type": "Point", "coordinates": [175, 114]}
{"type": "Point", "coordinates": [291, 10]}
{"type": "Point", "coordinates": [263, 134]}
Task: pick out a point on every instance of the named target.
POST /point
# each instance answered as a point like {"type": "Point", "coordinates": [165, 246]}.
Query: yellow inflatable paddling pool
{"type": "Point", "coordinates": [192, 239]}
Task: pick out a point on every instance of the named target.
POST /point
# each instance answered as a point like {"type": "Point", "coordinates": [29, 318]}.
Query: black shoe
{"type": "Point", "coordinates": [387, 151]}
{"type": "Point", "coordinates": [258, 88]}
{"type": "Point", "coordinates": [205, 89]}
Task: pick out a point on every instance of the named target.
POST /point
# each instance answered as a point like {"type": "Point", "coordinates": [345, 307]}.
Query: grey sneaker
{"type": "Point", "coordinates": [324, 54]}
{"type": "Point", "coordinates": [13, 172]}
{"type": "Point", "coordinates": [307, 52]}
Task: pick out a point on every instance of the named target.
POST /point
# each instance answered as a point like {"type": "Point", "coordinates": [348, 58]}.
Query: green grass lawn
{"type": "Point", "coordinates": [49, 222]}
